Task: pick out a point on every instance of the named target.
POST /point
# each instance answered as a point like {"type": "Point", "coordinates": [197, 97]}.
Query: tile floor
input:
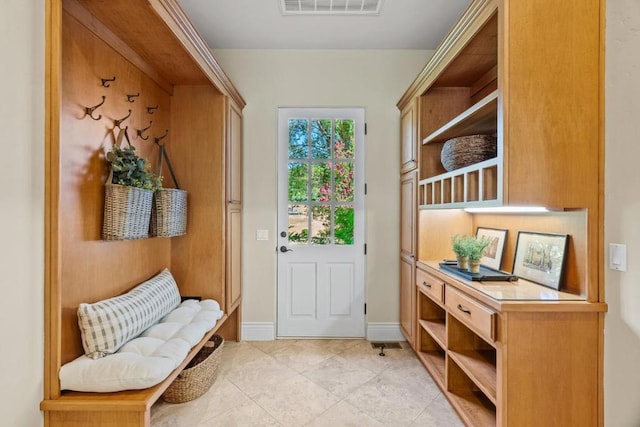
{"type": "Point", "coordinates": [313, 383]}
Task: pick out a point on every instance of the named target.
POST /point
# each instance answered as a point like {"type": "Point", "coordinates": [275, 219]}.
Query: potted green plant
{"type": "Point", "coordinates": [128, 194]}
{"type": "Point", "coordinates": [459, 244]}
{"type": "Point", "coordinates": [475, 250]}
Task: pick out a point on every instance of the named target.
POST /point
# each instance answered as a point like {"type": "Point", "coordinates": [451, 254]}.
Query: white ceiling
{"type": "Point", "coordinates": [259, 24]}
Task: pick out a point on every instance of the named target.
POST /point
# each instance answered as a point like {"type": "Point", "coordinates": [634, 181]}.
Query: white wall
{"type": "Point", "coordinates": [622, 213]}
{"type": "Point", "coordinates": [21, 211]}
{"type": "Point", "coordinates": [267, 81]}
{"type": "Point", "coordinates": [374, 79]}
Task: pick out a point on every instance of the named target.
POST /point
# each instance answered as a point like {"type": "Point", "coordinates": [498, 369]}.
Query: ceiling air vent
{"type": "Point", "coordinates": [330, 7]}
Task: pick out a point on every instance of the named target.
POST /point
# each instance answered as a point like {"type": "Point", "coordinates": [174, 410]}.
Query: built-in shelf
{"type": "Point", "coordinates": [474, 185]}
{"type": "Point", "coordinates": [437, 330]}
{"type": "Point", "coordinates": [474, 408]}
{"type": "Point", "coordinates": [480, 118]}
{"type": "Point", "coordinates": [435, 363]}
{"type": "Point", "coordinates": [480, 367]}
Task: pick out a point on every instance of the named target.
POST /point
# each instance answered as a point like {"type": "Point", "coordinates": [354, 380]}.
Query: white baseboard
{"type": "Point", "coordinates": [376, 331]}
{"type": "Point", "coordinates": [384, 332]}
{"type": "Point", "coordinates": [258, 331]}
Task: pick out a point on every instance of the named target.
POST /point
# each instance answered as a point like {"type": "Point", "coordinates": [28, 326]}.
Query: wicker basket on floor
{"type": "Point", "coordinates": [198, 376]}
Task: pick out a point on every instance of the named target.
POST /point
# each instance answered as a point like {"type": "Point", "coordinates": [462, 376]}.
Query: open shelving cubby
{"type": "Point", "coordinates": [432, 336]}
{"type": "Point", "coordinates": [480, 118]}
{"type": "Point", "coordinates": [463, 100]}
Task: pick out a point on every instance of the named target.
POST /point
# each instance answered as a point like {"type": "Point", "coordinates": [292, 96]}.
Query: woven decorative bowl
{"type": "Point", "coordinates": [467, 150]}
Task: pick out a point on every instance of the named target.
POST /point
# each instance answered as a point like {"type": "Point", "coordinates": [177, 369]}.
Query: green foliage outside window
{"type": "Point", "coordinates": [309, 141]}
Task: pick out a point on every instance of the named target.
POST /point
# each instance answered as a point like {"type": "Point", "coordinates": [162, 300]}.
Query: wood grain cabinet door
{"type": "Point", "coordinates": [408, 207]}
{"type": "Point", "coordinates": [408, 254]}
{"type": "Point", "coordinates": [408, 138]}
{"type": "Point", "coordinates": [407, 299]}
{"type": "Point", "coordinates": [233, 177]}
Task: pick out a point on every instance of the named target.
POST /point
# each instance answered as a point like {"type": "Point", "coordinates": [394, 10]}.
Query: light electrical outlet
{"type": "Point", "coordinates": [262, 234]}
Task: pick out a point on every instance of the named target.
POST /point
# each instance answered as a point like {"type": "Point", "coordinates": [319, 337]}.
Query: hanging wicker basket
{"type": "Point", "coordinates": [127, 211]}
{"type": "Point", "coordinates": [169, 210]}
{"type": "Point", "coordinates": [198, 376]}
{"type": "Point", "coordinates": [467, 150]}
{"type": "Point", "coordinates": [169, 213]}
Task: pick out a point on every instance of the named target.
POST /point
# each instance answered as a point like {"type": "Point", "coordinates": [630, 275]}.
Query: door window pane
{"type": "Point", "coordinates": [298, 224]}
{"type": "Point", "coordinates": [343, 225]}
{"type": "Point", "coordinates": [321, 182]}
{"type": "Point", "coordinates": [298, 182]}
{"type": "Point", "coordinates": [321, 139]}
{"type": "Point", "coordinates": [298, 138]}
{"type": "Point", "coordinates": [344, 145]}
{"type": "Point", "coordinates": [321, 225]}
{"type": "Point", "coordinates": [344, 182]}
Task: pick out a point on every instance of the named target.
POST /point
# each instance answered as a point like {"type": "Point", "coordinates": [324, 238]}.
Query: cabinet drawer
{"type": "Point", "coordinates": [473, 314]}
{"type": "Point", "coordinates": [430, 285]}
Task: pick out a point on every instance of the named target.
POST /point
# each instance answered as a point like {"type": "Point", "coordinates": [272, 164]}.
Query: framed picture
{"type": "Point", "coordinates": [492, 256]}
{"type": "Point", "coordinates": [540, 257]}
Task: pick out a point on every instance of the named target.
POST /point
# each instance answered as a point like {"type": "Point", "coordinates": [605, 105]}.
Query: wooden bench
{"type": "Point", "coordinates": [123, 408]}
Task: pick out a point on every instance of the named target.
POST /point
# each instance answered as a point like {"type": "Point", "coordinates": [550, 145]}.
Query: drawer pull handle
{"type": "Point", "coordinates": [464, 310]}
{"type": "Point", "coordinates": [427, 285]}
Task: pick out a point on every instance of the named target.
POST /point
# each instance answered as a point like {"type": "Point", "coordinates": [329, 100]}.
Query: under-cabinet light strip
{"type": "Point", "coordinates": [508, 209]}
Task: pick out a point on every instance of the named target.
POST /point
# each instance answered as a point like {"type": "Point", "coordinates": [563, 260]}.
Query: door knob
{"type": "Point", "coordinates": [285, 249]}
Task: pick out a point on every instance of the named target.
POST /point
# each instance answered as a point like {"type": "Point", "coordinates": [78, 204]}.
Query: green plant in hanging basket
{"type": "Point", "coordinates": [131, 170]}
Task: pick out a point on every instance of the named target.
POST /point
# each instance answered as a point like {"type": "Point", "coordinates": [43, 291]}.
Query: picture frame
{"type": "Point", "coordinates": [541, 257]}
{"type": "Point", "coordinates": [492, 256]}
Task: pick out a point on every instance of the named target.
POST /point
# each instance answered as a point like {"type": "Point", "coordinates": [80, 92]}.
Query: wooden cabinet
{"type": "Point", "coordinates": [531, 74]}
{"type": "Point", "coordinates": [503, 356]}
{"type": "Point", "coordinates": [507, 71]}
{"type": "Point", "coordinates": [407, 254]}
{"type": "Point", "coordinates": [165, 87]}
{"type": "Point", "coordinates": [234, 206]}
{"type": "Point", "coordinates": [408, 138]}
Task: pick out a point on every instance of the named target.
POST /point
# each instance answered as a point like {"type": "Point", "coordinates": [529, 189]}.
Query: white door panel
{"type": "Point", "coordinates": [321, 223]}
{"type": "Point", "coordinates": [302, 288]}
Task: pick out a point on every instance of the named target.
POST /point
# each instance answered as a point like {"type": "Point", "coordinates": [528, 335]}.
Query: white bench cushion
{"type": "Point", "coordinates": [106, 325]}
{"type": "Point", "coordinates": [147, 359]}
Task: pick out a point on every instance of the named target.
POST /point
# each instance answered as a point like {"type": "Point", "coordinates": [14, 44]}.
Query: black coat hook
{"type": "Point", "coordinates": [89, 110]}
{"type": "Point", "coordinates": [139, 132]}
{"type": "Point", "coordinates": [159, 138]}
{"type": "Point", "coordinates": [105, 82]}
{"type": "Point", "coordinates": [130, 97]}
{"type": "Point", "coordinates": [150, 110]}
{"type": "Point", "coordinates": [116, 123]}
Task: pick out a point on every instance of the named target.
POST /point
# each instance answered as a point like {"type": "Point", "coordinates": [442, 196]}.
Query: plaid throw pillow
{"type": "Point", "coordinates": [107, 325]}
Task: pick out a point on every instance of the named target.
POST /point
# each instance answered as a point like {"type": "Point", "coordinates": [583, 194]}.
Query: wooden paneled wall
{"type": "Point", "coordinates": [197, 154]}
{"type": "Point", "coordinates": [93, 269]}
